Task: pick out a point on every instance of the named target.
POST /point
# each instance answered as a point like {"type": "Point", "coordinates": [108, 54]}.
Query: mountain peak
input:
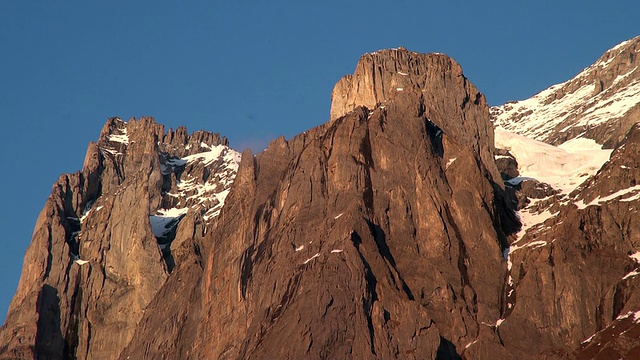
{"type": "Point", "coordinates": [381, 75]}
{"type": "Point", "coordinates": [431, 85]}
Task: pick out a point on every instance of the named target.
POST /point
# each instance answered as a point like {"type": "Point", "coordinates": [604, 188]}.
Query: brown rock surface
{"type": "Point", "coordinates": [376, 235]}
{"type": "Point", "coordinates": [454, 104]}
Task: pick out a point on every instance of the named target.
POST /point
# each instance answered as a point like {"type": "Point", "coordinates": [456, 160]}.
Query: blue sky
{"type": "Point", "coordinates": [251, 70]}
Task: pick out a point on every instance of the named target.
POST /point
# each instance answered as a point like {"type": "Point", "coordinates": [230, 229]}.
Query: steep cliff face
{"type": "Point", "coordinates": [601, 103]}
{"type": "Point", "coordinates": [338, 236]}
{"type": "Point", "coordinates": [376, 235]}
{"type": "Point", "coordinates": [101, 248]}
{"type": "Point", "coordinates": [610, 203]}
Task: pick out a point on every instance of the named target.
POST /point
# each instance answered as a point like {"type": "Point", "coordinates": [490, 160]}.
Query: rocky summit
{"type": "Point", "coordinates": [407, 226]}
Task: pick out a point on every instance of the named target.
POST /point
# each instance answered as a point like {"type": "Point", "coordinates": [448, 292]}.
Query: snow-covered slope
{"type": "Point", "coordinates": [563, 167]}
{"type": "Point", "coordinates": [602, 102]}
{"type": "Point", "coordinates": [202, 182]}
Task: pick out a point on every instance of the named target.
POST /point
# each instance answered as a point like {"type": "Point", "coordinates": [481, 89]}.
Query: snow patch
{"type": "Point", "coordinates": [634, 314]}
{"type": "Point", "coordinates": [589, 339]}
{"type": "Point", "coordinates": [121, 138]}
{"type": "Point", "coordinates": [165, 219]}
{"type": "Point", "coordinates": [471, 343]}
{"type": "Point", "coordinates": [211, 193]}
{"type": "Point", "coordinates": [207, 157]}
{"type": "Point", "coordinates": [449, 163]}
{"type": "Point", "coordinates": [564, 167]}
{"type": "Point", "coordinates": [311, 258]}
{"type": "Point", "coordinates": [623, 194]}
{"type": "Point", "coordinates": [631, 274]}
{"type": "Point", "coordinates": [86, 211]}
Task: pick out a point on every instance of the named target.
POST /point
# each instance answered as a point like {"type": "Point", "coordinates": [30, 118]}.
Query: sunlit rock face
{"type": "Point", "coordinates": [404, 227]}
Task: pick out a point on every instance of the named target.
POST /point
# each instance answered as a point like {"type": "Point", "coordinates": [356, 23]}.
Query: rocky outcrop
{"type": "Point", "coordinates": [601, 103]}
{"type": "Point", "coordinates": [507, 164]}
{"type": "Point", "coordinates": [95, 263]}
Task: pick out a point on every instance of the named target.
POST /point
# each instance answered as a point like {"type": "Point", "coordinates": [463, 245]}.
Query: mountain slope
{"type": "Point", "coordinates": [574, 273]}
{"type": "Point", "coordinates": [601, 103]}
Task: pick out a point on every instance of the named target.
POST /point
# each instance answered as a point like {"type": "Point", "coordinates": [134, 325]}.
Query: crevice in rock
{"type": "Point", "coordinates": [620, 298]}
{"type": "Point", "coordinates": [165, 241]}
{"type": "Point", "coordinates": [383, 248]}
{"type": "Point", "coordinates": [462, 263]}
{"type": "Point", "coordinates": [447, 351]}
{"type": "Point", "coordinates": [371, 294]}
{"type": "Point", "coordinates": [435, 135]}
{"type": "Point", "coordinates": [49, 343]}
{"type": "Point", "coordinates": [245, 271]}
{"type": "Point", "coordinates": [71, 336]}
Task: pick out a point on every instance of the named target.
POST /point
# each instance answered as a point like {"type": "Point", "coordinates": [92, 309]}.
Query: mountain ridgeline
{"type": "Point", "coordinates": [392, 231]}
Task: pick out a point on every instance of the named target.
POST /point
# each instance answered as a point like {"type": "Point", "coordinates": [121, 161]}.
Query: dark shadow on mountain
{"type": "Point", "coordinates": [447, 351]}
{"type": "Point", "coordinates": [435, 135]}
{"type": "Point", "coordinates": [49, 342]}
{"type": "Point", "coordinates": [381, 242]}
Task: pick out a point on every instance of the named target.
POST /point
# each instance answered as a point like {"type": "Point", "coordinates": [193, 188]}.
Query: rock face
{"type": "Point", "coordinates": [386, 233]}
{"type": "Point", "coordinates": [600, 103]}
{"type": "Point", "coordinates": [338, 236]}
{"type": "Point", "coordinates": [458, 108]}
{"type": "Point", "coordinates": [95, 263]}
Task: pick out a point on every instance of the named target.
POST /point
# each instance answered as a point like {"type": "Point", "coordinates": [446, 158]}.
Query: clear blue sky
{"type": "Point", "coordinates": [251, 70]}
